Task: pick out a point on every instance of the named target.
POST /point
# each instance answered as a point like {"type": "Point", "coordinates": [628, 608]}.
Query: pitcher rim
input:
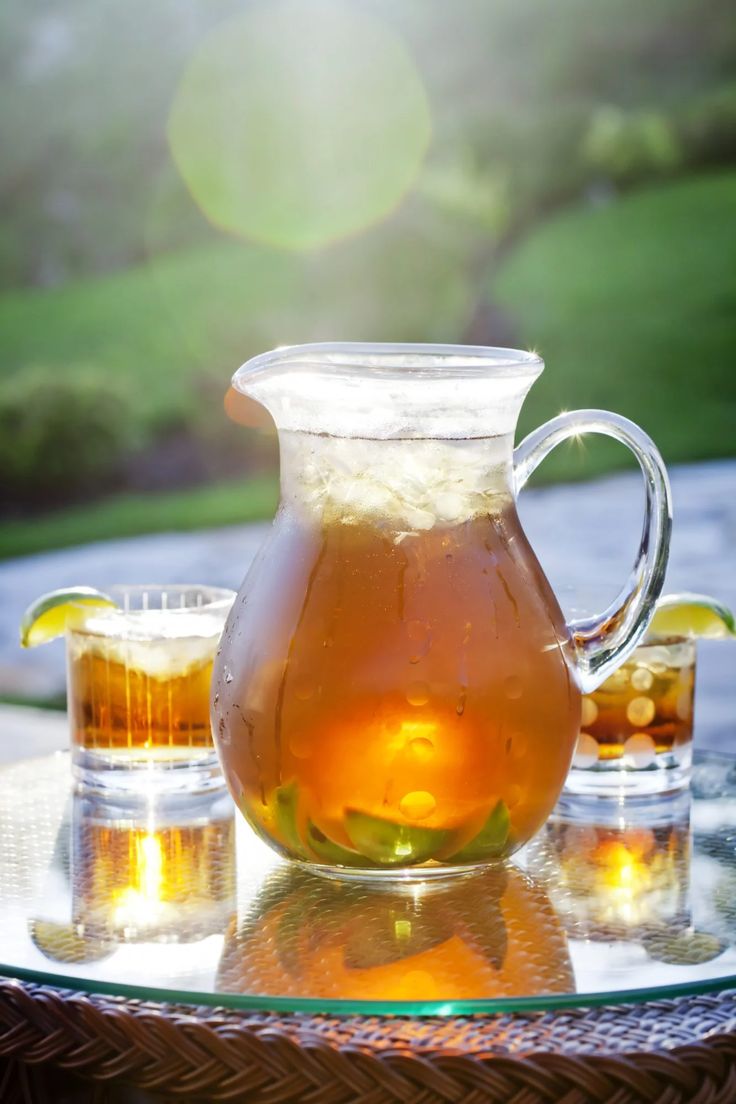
{"type": "Point", "coordinates": [348, 358]}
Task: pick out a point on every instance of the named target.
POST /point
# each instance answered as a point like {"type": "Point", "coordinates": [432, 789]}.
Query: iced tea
{"type": "Point", "coordinates": [641, 717]}
{"type": "Point", "coordinates": [139, 677]}
{"type": "Point", "coordinates": [397, 685]}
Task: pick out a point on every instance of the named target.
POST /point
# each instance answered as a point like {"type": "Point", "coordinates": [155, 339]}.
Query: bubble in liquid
{"type": "Point", "coordinates": [586, 751]}
{"type": "Point", "coordinates": [512, 687]}
{"type": "Point", "coordinates": [640, 711]}
{"type": "Point", "coordinates": [516, 747]}
{"type": "Point", "coordinates": [417, 805]}
{"type": "Point", "coordinates": [421, 748]}
{"type": "Point", "coordinates": [303, 689]}
{"type": "Point", "coordinates": [589, 712]}
{"type": "Point", "coordinates": [642, 679]}
{"type": "Point", "coordinates": [417, 693]}
{"type": "Point", "coordinates": [639, 750]}
{"type": "Point", "coordinates": [300, 745]}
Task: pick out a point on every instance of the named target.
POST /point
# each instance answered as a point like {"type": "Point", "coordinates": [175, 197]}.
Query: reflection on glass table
{"type": "Point", "coordinates": [624, 879]}
{"type": "Point", "coordinates": [179, 901]}
{"type": "Point", "coordinates": [492, 935]}
{"type": "Point", "coordinates": [160, 873]}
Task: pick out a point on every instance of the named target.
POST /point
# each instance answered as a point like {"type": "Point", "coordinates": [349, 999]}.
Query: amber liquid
{"type": "Point", "coordinates": [140, 699]}
{"type": "Point", "coordinates": [173, 883]}
{"type": "Point", "coordinates": [385, 700]}
{"type": "Point", "coordinates": [644, 709]}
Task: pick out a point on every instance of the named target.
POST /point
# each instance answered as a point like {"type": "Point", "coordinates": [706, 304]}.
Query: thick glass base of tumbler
{"type": "Point", "coordinates": [165, 771]}
{"type": "Point", "coordinates": [615, 781]}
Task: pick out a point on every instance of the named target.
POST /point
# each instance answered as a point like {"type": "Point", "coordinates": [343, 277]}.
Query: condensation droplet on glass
{"type": "Point", "coordinates": [327, 642]}
{"type": "Point", "coordinates": [640, 711]}
{"type": "Point", "coordinates": [216, 698]}
{"type": "Point", "coordinates": [417, 805]}
{"type": "Point", "coordinates": [421, 748]}
{"type": "Point", "coordinates": [303, 689]}
{"type": "Point", "coordinates": [588, 712]}
{"type": "Point", "coordinates": [518, 746]}
{"type": "Point", "coordinates": [228, 675]}
{"type": "Point", "coordinates": [300, 745]}
{"type": "Point", "coordinates": [642, 679]}
{"type": "Point", "coordinates": [417, 693]}
{"type": "Point", "coordinates": [513, 687]}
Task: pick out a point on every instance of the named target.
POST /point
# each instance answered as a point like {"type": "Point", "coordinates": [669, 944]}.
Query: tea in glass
{"type": "Point", "coordinates": [400, 689]}
{"type": "Point", "coordinates": [636, 729]}
{"type": "Point", "coordinates": [138, 687]}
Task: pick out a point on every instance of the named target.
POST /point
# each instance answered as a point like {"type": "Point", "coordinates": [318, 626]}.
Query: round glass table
{"type": "Point", "coordinates": [179, 901]}
{"type": "Point", "coordinates": [175, 913]}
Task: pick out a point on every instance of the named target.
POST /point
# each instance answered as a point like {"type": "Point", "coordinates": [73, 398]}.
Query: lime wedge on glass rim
{"type": "Point", "coordinates": [52, 614]}
{"type": "Point", "coordinates": [692, 615]}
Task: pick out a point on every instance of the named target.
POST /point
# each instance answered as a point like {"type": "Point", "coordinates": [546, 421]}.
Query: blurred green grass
{"type": "Point", "coordinates": [130, 515]}
{"type": "Point", "coordinates": [633, 306]}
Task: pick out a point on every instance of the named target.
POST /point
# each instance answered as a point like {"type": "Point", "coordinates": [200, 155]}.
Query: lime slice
{"type": "Point", "coordinates": [63, 943]}
{"type": "Point", "coordinates": [329, 851]}
{"type": "Point", "coordinates": [285, 799]}
{"type": "Point", "coordinates": [693, 615]}
{"type": "Point", "coordinates": [490, 842]}
{"type": "Point", "coordinates": [388, 843]}
{"type": "Point", "coordinates": [51, 615]}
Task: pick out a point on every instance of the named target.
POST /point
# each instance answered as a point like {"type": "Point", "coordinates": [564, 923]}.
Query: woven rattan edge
{"type": "Point", "coordinates": [681, 1050]}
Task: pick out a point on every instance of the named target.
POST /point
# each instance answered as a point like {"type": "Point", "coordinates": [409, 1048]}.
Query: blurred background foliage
{"type": "Point", "coordinates": [557, 176]}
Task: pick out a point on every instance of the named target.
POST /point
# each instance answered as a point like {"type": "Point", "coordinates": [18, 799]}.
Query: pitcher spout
{"type": "Point", "coordinates": [383, 392]}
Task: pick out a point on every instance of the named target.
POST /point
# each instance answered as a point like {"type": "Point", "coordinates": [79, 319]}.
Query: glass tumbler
{"type": "Point", "coordinates": [636, 729]}
{"type": "Point", "coordinates": [138, 689]}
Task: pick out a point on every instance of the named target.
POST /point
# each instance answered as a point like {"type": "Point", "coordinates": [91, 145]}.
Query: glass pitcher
{"type": "Point", "coordinates": [397, 693]}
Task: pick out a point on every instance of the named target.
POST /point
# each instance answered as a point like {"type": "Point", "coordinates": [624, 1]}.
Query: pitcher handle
{"type": "Point", "coordinates": [602, 643]}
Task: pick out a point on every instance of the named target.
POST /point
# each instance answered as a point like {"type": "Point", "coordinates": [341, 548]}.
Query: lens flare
{"type": "Point", "coordinates": [296, 124]}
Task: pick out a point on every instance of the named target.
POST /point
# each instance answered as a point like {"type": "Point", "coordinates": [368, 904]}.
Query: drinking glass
{"type": "Point", "coordinates": [138, 689]}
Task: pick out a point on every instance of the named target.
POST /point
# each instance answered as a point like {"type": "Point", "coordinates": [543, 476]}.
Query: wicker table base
{"type": "Point", "coordinates": [665, 1052]}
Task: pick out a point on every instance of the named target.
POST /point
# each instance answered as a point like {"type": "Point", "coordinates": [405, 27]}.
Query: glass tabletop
{"type": "Point", "coordinates": [179, 901]}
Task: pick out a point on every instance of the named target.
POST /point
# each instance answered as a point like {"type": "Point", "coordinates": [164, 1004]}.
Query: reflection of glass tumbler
{"type": "Point", "coordinates": [637, 727]}
{"type": "Point", "coordinates": [138, 687]}
{"type": "Point", "coordinates": [619, 877]}
{"type": "Point", "coordinates": [165, 875]}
